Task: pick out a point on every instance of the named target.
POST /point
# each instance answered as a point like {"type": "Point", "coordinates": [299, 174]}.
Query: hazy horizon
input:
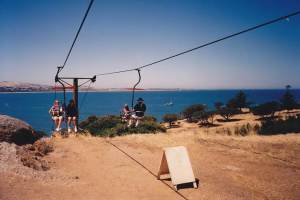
{"type": "Point", "coordinates": [36, 35]}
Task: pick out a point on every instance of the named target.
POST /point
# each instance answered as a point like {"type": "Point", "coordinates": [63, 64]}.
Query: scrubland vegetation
{"type": "Point", "coordinates": [110, 126]}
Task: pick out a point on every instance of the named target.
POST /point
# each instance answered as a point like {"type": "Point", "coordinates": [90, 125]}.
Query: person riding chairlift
{"type": "Point", "coordinates": [72, 113]}
{"type": "Point", "coordinates": [56, 111]}
{"type": "Point", "coordinates": [139, 110]}
{"type": "Point", "coordinates": [126, 112]}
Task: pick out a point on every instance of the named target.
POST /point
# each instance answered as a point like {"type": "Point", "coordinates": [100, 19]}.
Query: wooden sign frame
{"type": "Point", "coordinates": [175, 164]}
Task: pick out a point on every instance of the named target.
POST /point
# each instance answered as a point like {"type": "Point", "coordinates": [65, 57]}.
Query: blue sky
{"type": "Point", "coordinates": [35, 36]}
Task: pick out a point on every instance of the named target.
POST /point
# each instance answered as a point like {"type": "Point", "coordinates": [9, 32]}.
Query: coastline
{"type": "Point", "coordinates": [149, 90]}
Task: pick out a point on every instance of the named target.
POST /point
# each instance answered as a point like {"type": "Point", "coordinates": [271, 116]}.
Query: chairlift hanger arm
{"type": "Point", "coordinates": [57, 79]}
{"type": "Point", "coordinates": [65, 82]}
{"type": "Point", "coordinates": [139, 73]}
{"type": "Point", "coordinates": [66, 78]}
{"type": "Point", "coordinates": [133, 90]}
{"type": "Point", "coordinates": [92, 79]}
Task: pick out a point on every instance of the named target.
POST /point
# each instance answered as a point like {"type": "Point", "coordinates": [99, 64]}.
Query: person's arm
{"type": "Point", "coordinates": [144, 107]}
{"type": "Point", "coordinates": [51, 111]}
{"type": "Point", "coordinates": [62, 110]}
{"type": "Point", "coordinates": [76, 111]}
{"type": "Point", "coordinates": [135, 108]}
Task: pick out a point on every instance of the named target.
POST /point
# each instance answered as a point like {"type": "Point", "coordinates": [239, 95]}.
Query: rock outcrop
{"type": "Point", "coordinates": [16, 131]}
{"type": "Point", "coordinates": [31, 155]}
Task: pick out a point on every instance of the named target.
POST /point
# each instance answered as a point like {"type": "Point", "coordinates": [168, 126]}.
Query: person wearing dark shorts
{"type": "Point", "coordinates": [139, 111]}
{"type": "Point", "coordinates": [72, 114]}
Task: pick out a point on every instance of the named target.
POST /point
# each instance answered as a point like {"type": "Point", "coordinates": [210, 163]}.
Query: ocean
{"type": "Point", "coordinates": [33, 107]}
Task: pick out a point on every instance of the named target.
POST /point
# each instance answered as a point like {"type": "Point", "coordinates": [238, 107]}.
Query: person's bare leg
{"type": "Point", "coordinates": [75, 125]}
{"type": "Point", "coordinates": [55, 122]}
{"type": "Point", "coordinates": [69, 124]}
{"type": "Point", "coordinates": [59, 122]}
{"type": "Point", "coordinates": [137, 122]}
{"type": "Point", "coordinates": [130, 122]}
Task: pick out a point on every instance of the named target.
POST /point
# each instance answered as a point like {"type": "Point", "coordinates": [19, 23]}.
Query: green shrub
{"type": "Point", "coordinates": [279, 126]}
{"type": "Point", "coordinates": [211, 116]}
{"type": "Point", "coordinates": [89, 120]}
{"type": "Point", "coordinates": [170, 118]}
{"type": "Point", "coordinates": [288, 101]}
{"type": "Point", "coordinates": [200, 116]}
{"type": "Point", "coordinates": [189, 111]}
{"type": "Point", "coordinates": [149, 127]}
{"type": "Point", "coordinates": [266, 109]}
{"type": "Point", "coordinates": [204, 117]}
{"type": "Point", "coordinates": [239, 101]}
{"type": "Point", "coordinates": [227, 113]}
{"type": "Point", "coordinates": [110, 126]}
{"type": "Point", "coordinates": [243, 130]}
{"type": "Point", "coordinates": [149, 118]}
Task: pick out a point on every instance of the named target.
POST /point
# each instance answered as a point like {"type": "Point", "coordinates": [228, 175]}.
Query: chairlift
{"type": "Point", "coordinates": [135, 85]}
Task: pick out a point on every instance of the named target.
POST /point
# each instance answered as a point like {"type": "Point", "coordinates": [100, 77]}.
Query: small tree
{"type": "Point", "coordinates": [288, 101]}
{"type": "Point", "coordinates": [266, 109]}
{"type": "Point", "coordinates": [204, 117]}
{"type": "Point", "coordinates": [200, 116]}
{"type": "Point", "coordinates": [188, 112]}
{"type": "Point", "coordinates": [227, 113]}
{"type": "Point", "coordinates": [211, 116]}
{"type": "Point", "coordinates": [170, 118]}
{"type": "Point", "coordinates": [239, 101]}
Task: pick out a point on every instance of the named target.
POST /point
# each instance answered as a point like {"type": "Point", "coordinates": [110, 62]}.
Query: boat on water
{"type": "Point", "coordinates": [169, 103]}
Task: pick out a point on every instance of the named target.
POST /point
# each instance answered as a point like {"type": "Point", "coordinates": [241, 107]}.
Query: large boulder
{"type": "Point", "coordinates": [16, 131]}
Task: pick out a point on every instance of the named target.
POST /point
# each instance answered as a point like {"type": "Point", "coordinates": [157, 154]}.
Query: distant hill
{"type": "Point", "coordinates": [10, 86]}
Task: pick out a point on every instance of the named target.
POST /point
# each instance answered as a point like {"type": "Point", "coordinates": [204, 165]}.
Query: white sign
{"type": "Point", "coordinates": [175, 164]}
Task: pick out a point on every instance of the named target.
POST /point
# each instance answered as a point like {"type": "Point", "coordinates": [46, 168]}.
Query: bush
{"type": "Point", "coordinates": [204, 117]}
{"type": "Point", "coordinates": [272, 126]}
{"type": "Point", "coordinates": [110, 126]}
{"type": "Point", "coordinates": [189, 111]}
{"type": "Point", "coordinates": [288, 101]}
{"type": "Point", "coordinates": [239, 101]}
{"type": "Point", "coordinates": [99, 125]}
{"type": "Point", "coordinates": [211, 116]}
{"type": "Point", "coordinates": [200, 116]}
{"type": "Point", "coordinates": [170, 118]}
{"type": "Point", "coordinates": [89, 120]}
{"type": "Point", "coordinates": [266, 109]}
{"type": "Point", "coordinates": [227, 113]}
{"type": "Point", "coordinates": [148, 127]}
{"type": "Point", "coordinates": [149, 118]}
{"type": "Point", "coordinates": [243, 130]}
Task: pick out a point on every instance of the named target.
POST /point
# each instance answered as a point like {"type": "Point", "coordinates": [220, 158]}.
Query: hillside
{"type": "Point", "coordinates": [9, 86]}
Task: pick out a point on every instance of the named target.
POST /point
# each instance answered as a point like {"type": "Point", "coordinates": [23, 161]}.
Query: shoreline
{"type": "Point", "coordinates": [146, 90]}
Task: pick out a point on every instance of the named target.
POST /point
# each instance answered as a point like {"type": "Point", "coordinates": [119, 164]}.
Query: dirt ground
{"type": "Point", "coordinates": [227, 167]}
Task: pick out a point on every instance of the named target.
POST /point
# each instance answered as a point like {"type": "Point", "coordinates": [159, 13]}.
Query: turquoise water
{"type": "Point", "coordinates": [33, 107]}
